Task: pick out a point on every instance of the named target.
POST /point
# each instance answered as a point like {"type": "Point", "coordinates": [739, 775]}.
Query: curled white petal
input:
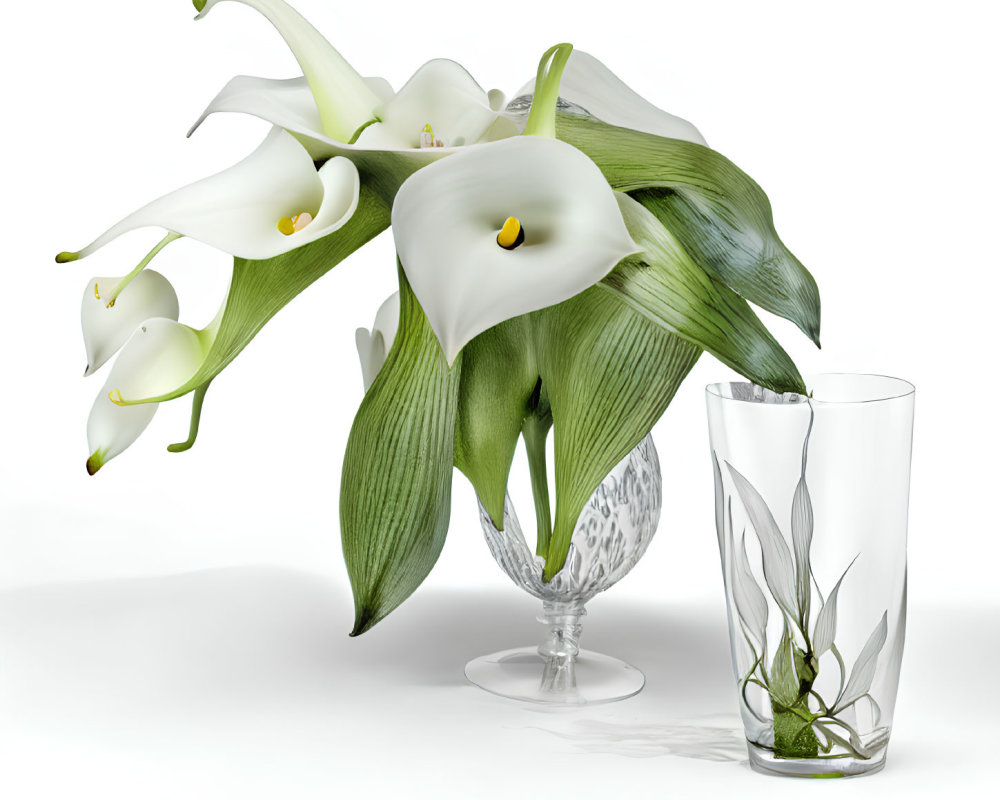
{"type": "Point", "coordinates": [442, 94]}
{"type": "Point", "coordinates": [373, 346]}
{"type": "Point", "coordinates": [288, 104]}
{"type": "Point", "coordinates": [238, 209]}
{"type": "Point", "coordinates": [106, 329]}
{"type": "Point", "coordinates": [587, 83]}
{"type": "Point", "coordinates": [343, 99]}
{"type": "Point", "coordinates": [160, 356]}
{"type": "Point", "coordinates": [446, 217]}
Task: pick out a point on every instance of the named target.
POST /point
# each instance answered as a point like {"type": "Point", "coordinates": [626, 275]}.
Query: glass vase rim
{"type": "Point", "coordinates": [902, 388]}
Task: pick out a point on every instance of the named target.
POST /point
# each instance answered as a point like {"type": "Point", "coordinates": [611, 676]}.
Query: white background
{"type": "Point", "coordinates": [176, 626]}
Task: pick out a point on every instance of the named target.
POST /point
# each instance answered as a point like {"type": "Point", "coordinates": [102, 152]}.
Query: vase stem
{"type": "Point", "coordinates": [561, 648]}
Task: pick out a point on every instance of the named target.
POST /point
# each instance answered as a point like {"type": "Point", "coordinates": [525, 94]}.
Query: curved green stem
{"type": "Point", "coordinates": [120, 286]}
{"type": "Point", "coordinates": [542, 116]}
{"type": "Point", "coordinates": [535, 431]}
{"type": "Point", "coordinates": [196, 404]}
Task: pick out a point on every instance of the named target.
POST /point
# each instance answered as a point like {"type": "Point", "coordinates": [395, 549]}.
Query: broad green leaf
{"type": "Point", "coordinates": [259, 289]}
{"type": "Point", "coordinates": [395, 495]}
{"type": "Point", "coordinates": [778, 570]}
{"type": "Point", "coordinates": [499, 378]}
{"type": "Point", "coordinates": [716, 211]}
{"type": "Point", "coordinates": [609, 374]}
{"type": "Point", "coordinates": [666, 286]}
{"type": "Point", "coordinates": [863, 672]}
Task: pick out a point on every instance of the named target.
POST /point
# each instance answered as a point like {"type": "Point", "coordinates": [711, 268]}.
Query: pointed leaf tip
{"type": "Point", "coordinates": [199, 5]}
{"type": "Point", "coordinates": [364, 620]}
{"type": "Point", "coordinates": [66, 256]}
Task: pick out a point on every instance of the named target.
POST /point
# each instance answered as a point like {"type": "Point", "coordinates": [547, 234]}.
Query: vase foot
{"type": "Point", "coordinates": [763, 760]}
{"type": "Point", "coordinates": [517, 675]}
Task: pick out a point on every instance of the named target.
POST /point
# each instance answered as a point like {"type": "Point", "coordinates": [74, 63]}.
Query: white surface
{"type": "Point", "coordinates": [177, 625]}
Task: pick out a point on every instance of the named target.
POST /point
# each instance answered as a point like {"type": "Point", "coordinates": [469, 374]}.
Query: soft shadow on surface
{"type": "Point", "coordinates": [253, 638]}
{"type": "Point", "coordinates": [267, 634]}
{"type": "Point", "coordinates": [710, 739]}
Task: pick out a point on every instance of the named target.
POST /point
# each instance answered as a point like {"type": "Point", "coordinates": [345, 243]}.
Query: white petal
{"type": "Point", "coordinates": [446, 217]}
{"type": "Point", "coordinates": [589, 84]}
{"type": "Point", "coordinates": [441, 93]}
{"type": "Point", "coordinates": [387, 320]}
{"type": "Point", "coordinates": [111, 429]}
{"type": "Point", "coordinates": [287, 104]}
{"type": "Point", "coordinates": [374, 346]}
{"type": "Point", "coordinates": [344, 100]}
{"type": "Point", "coordinates": [238, 209]}
{"type": "Point", "coordinates": [160, 356]}
{"type": "Point", "coordinates": [105, 329]}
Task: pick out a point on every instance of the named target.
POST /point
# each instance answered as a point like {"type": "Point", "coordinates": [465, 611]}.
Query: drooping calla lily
{"type": "Point", "coordinates": [440, 106]}
{"type": "Point", "coordinates": [587, 83]}
{"type": "Point", "coordinates": [344, 100]}
{"type": "Point", "coordinates": [373, 346]}
{"type": "Point", "coordinates": [161, 355]}
{"type": "Point", "coordinates": [108, 325]}
{"type": "Point", "coordinates": [271, 202]}
{"type": "Point", "coordinates": [499, 230]}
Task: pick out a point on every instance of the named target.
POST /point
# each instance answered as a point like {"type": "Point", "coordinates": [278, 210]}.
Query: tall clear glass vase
{"type": "Point", "coordinates": [811, 496]}
{"type": "Point", "coordinates": [610, 537]}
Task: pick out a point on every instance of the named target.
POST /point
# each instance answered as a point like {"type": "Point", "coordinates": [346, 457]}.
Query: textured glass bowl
{"type": "Point", "coordinates": [612, 533]}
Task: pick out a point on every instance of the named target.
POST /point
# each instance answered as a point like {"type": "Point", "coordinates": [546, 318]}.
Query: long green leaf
{"type": "Point", "coordinates": [499, 378]}
{"type": "Point", "coordinates": [259, 289]}
{"type": "Point", "coordinates": [395, 495]}
{"type": "Point", "coordinates": [663, 284]}
{"type": "Point", "coordinates": [717, 212]}
{"type": "Point", "coordinates": [609, 373]}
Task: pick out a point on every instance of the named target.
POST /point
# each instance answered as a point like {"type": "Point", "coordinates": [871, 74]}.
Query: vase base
{"type": "Point", "coordinates": [764, 761]}
{"type": "Point", "coordinates": [516, 674]}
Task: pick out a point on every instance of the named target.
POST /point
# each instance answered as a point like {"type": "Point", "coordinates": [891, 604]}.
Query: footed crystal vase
{"type": "Point", "coordinates": [613, 531]}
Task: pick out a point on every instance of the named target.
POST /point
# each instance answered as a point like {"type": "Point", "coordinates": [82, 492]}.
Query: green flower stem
{"type": "Point", "coordinates": [535, 431]}
{"type": "Point", "coordinates": [170, 237]}
{"type": "Point", "coordinates": [196, 405]}
{"type": "Point", "coordinates": [542, 116]}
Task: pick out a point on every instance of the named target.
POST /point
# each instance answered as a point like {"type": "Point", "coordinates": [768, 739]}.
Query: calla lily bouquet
{"type": "Point", "coordinates": [563, 260]}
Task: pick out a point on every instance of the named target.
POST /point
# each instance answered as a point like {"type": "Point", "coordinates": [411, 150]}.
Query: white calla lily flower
{"type": "Point", "coordinates": [343, 100]}
{"type": "Point", "coordinates": [107, 326]}
{"type": "Point", "coordinates": [161, 355]}
{"type": "Point", "coordinates": [502, 229]}
{"type": "Point", "coordinates": [271, 202]}
{"type": "Point", "coordinates": [374, 345]}
{"type": "Point", "coordinates": [441, 95]}
{"type": "Point", "coordinates": [587, 83]}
